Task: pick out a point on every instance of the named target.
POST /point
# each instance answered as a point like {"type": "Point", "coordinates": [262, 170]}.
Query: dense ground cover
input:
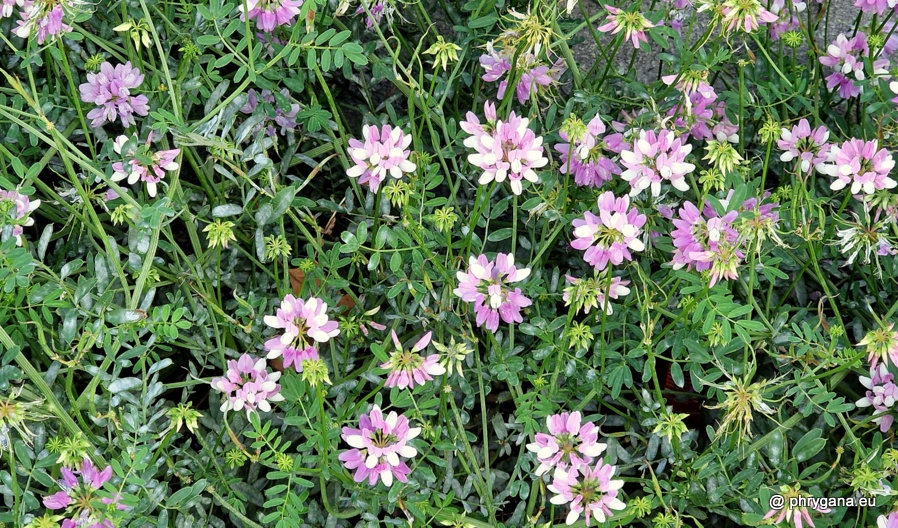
{"type": "Point", "coordinates": [310, 263]}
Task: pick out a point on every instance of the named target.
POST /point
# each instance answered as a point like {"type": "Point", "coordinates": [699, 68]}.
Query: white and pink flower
{"type": "Point", "coordinates": [407, 367]}
{"type": "Point", "coordinates": [143, 164]}
{"type": "Point", "coordinates": [505, 150]}
{"type": "Point", "coordinates": [301, 319]}
{"type": "Point", "coordinates": [384, 152]}
{"type": "Point", "coordinates": [610, 236]}
{"type": "Point", "coordinates": [18, 208]}
{"type": "Point", "coordinates": [882, 393]}
{"type": "Point", "coordinates": [377, 445]}
{"type": "Point", "coordinates": [810, 147]}
{"type": "Point", "coordinates": [270, 14]}
{"type": "Point", "coordinates": [568, 443]}
{"type": "Point", "coordinates": [654, 157]}
{"type": "Point", "coordinates": [590, 492]}
{"type": "Point", "coordinates": [486, 285]}
{"type": "Point", "coordinates": [584, 157]}
{"type": "Point", "coordinates": [706, 242]}
{"type": "Point", "coordinates": [247, 385]}
{"type": "Point", "coordinates": [862, 164]}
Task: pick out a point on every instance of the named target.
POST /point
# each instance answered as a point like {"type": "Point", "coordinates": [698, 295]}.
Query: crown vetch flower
{"type": "Point", "coordinates": [882, 344]}
{"type": "Point", "coordinates": [247, 384]}
{"type": "Point", "coordinates": [611, 235]}
{"type": "Point", "coordinates": [270, 14]}
{"type": "Point", "coordinates": [569, 442]}
{"type": "Point", "coordinates": [846, 57]}
{"type": "Point", "coordinates": [302, 318]}
{"type": "Point", "coordinates": [589, 490]}
{"type": "Point", "coordinates": [144, 165]}
{"type": "Point", "coordinates": [705, 117]}
{"type": "Point", "coordinates": [408, 368]}
{"type": "Point", "coordinates": [588, 163]}
{"type": "Point", "coordinates": [378, 9]}
{"type": "Point", "coordinates": [798, 516]}
{"type": "Point", "coordinates": [632, 22]}
{"type": "Point", "coordinates": [876, 6]}
{"type": "Point", "coordinates": [486, 285]}
{"type": "Point", "coordinates": [706, 243]}
{"type": "Point", "coordinates": [383, 152]}
{"type": "Point", "coordinates": [16, 413]}
{"type": "Point", "coordinates": [861, 164]}
{"type": "Point", "coordinates": [809, 146]}
{"type": "Point", "coordinates": [294, 356]}
{"type": "Point", "coordinates": [17, 208]}
{"type": "Point", "coordinates": [286, 120]}
{"type": "Point", "coordinates": [474, 128]}
{"type": "Point", "coordinates": [593, 292]}
{"type": "Point", "coordinates": [506, 149]}
{"type": "Point", "coordinates": [377, 445]}
{"type": "Point", "coordinates": [80, 499]}
{"type": "Point", "coordinates": [534, 76]}
{"type": "Point", "coordinates": [867, 238]}
{"type": "Point", "coordinates": [44, 16]}
{"type": "Point", "coordinates": [745, 14]}
{"type": "Point", "coordinates": [786, 17]}
{"type": "Point", "coordinates": [110, 89]}
{"type": "Point", "coordinates": [656, 156]}
{"type": "Point", "coordinates": [882, 393]}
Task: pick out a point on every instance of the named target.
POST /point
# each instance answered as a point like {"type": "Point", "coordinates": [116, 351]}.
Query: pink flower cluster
{"type": "Point", "coordinates": [882, 393]}
{"type": "Point", "coordinates": [486, 285]}
{"type": "Point", "coordinates": [408, 368]}
{"type": "Point", "coordinates": [305, 323]}
{"type": "Point", "coordinates": [384, 152]}
{"type": "Point", "coordinates": [504, 149]}
{"type": "Point", "coordinates": [78, 496]}
{"type": "Point", "coordinates": [570, 448]}
{"type": "Point", "coordinates": [284, 119]}
{"type": "Point", "coordinates": [611, 235]}
{"type": "Point", "coordinates": [808, 146]}
{"type": "Point", "coordinates": [270, 14]}
{"type": "Point", "coordinates": [653, 157]}
{"type": "Point", "coordinates": [846, 56]}
{"type": "Point", "coordinates": [110, 90]}
{"type": "Point", "coordinates": [875, 6]}
{"type": "Point", "coordinates": [704, 117]}
{"type": "Point", "coordinates": [745, 15]}
{"type": "Point", "coordinates": [799, 515]}
{"type": "Point", "coordinates": [587, 163]}
{"type": "Point", "coordinates": [45, 17]}
{"type": "Point", "coordinates": [378, 9]}
{"type": "Point", "coordinates": [589, 490]}
{"type": "Point", "coordinates": [16, 209]}
{"type": "Point", "coordinates": [143, 165]}
{"type": "Point", "coordinates": [568, 443]}
{"type": "Point", "coordinates": [377, 445]}
{"type": "Point", "coordinates": [248, 385]}
{"type": "Point", "coordinates": [706, 241]}
{"type": "Point", "coordinates": [861, 164]}
{"type": "Point", "coordinates": [535, 76]}
{"type": "Point", "coordinates": [633, 23]}
{"type": "Point", "coordinates": [787, 19]}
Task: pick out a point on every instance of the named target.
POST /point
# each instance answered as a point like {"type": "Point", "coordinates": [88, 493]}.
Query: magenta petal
{"type": "Point", "coordinates": [57, 501]}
